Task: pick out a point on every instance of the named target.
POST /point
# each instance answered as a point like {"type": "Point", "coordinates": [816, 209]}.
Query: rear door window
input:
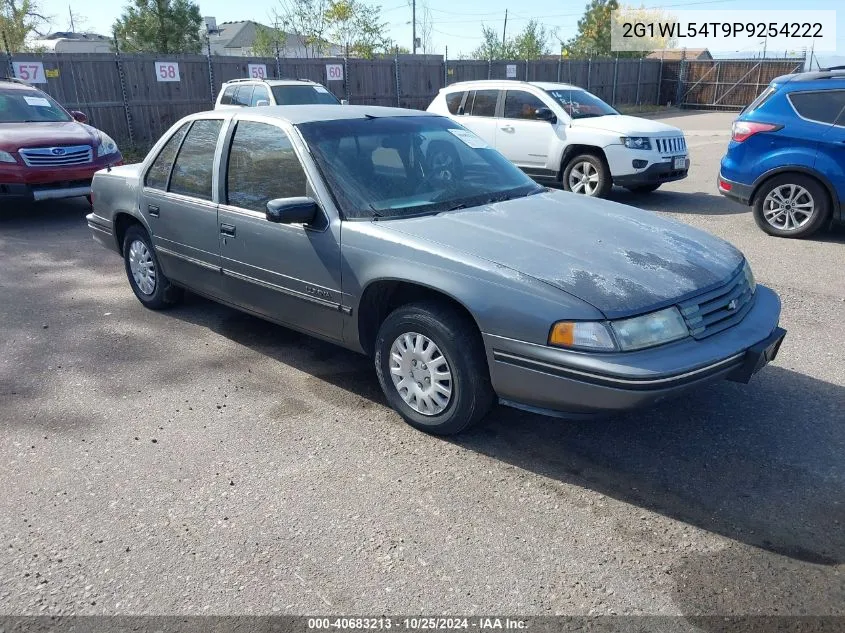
{"type": "Point", "coordinates": [453, 101]}
{"type": "Point", "coordinates": [194, 165]}
{"type": "Point", "coordinates": [821, 106]}
{"type": "Point", "coordinates": [521, 105]}
{"type": "Point", "coordinates": [483, 103]}
{"type": "Point", "coordinates": [159, 172]}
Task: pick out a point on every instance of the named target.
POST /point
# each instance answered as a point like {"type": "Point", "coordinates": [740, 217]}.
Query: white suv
{"type": "Point", "coordinates": [245, 93]}
{"type": "Point", "coordinates": [562, 133]}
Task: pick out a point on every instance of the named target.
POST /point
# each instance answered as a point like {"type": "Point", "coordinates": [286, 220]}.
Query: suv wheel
{"type": "Point", "coordinates": [149, 284]}
{"type": "Point", "coordinates": [791, 205]}
{"type": "Point", "coordinates": [587, 174]}
{"type": "Point", "coordinates": [432, 368]}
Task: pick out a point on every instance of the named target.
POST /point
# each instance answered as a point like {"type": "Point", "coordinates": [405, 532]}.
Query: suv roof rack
{"type": "Point", "coordinates": [833, 68]}
{"type": "Point", "coordinates": [243, 79]}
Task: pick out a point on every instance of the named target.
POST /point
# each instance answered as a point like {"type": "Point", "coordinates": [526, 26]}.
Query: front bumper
{"type": "Point", "coordinates": [653, 174]}
{"type": "Point", "coordinates": [566, 382]}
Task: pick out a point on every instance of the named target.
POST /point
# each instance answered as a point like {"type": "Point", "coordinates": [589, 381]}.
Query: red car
{"type": "Point", "coordinates": [47, 152]}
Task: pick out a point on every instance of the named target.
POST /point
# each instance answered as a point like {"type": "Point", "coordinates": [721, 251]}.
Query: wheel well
{"type": "Point", "coordinates": [122, 222]}
{"type": "Point", "coordinates": [381, 298]}
{"type": "Point", "coordinates": [752, 200]}
{"type": "Point", "coordinates": [574, 150]}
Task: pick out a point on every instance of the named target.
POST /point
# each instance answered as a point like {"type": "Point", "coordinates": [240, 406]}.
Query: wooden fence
{"type": "Point", "coordinates": [122, 94]}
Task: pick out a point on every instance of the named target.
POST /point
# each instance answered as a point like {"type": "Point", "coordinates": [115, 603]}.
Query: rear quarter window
{"type": "Point", "coordinates": [453, 101]}
{"type": "Point", "coordinates": [228, 94]}
{"type": "Point", "coordinates": [820, 106]}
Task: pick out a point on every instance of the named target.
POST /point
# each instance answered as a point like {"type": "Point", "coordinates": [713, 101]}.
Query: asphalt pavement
{"type": "Point", "coordinates": [200, 461]}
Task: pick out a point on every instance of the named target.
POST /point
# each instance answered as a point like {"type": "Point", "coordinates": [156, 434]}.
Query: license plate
{"type": "Point", "coordinates": [679, 162]}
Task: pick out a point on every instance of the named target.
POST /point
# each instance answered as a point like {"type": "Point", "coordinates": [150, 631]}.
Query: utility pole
{"type": "Point", "coordinates": [505, 30]}
{"type": "Point", "coordinates": [70, 13]}
{"type": "Point", "coordinates": [414, 24]}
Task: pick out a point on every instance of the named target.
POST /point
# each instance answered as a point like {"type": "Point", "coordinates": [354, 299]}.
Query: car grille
{"type": "Point", "coordinates": [57, 156]}
{"type": "Point", "coordinates": [718, 309]}
{"type": "Point", "coordinates": [677, 144]}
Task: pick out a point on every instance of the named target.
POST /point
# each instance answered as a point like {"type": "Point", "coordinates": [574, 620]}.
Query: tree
{"type": "Point", "coordinates": [492, 47]}
{"type": "Point", "coordinates": [358, 28]}
{"type": "Point", "coordinates": [160, 26]}
{"type": "Point", "coordinates": [19, 20]}
{"type": "Point", "coordinates": [306, 19]}
{"type": "Point", "coordinates": [268, 40]}
{"type": "Point", "coordinates": [593, 36]}
{"type": "Point", "coordinates": [532, 42]}
{"type": "Point", "coordinates": [641, 44]}
{"type": "Point", "coordinates": [425, 27]}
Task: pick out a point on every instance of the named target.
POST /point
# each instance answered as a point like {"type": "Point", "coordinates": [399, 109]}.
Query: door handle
{"type": "Point", "coordinates": [228, 230]}
{"type": "Point", "coordinates": [507, 128]}
{"type": "Point", "coordinates": [152, 210]}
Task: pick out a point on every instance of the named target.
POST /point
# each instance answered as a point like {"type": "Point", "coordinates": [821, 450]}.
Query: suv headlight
{"type": "Point", "coordinates": [107, 145]}
{"type": "Point", "coordinates": [624, 335]}
{"type": "Point", "coordinates": [636, 142]}
{"type": "Point", "coordinates": [6, 157]}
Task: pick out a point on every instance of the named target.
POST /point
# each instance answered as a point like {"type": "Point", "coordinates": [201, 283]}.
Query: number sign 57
{"type": "Point", "coordinates": [167, 71]}
{"type": "Point", "coordinates": [30, 72]}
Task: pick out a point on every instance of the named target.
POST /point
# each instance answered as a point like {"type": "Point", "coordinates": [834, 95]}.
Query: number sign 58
{"type": "Point", "coordinates": [167, 71]}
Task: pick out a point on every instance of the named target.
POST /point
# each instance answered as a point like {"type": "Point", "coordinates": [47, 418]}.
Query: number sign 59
{"type": "Point", "coordinates": [257, 71]}
{"type": "Point", "coordinates": [167, 71]}
{"type": "Point", "coordinates": [30, 72]}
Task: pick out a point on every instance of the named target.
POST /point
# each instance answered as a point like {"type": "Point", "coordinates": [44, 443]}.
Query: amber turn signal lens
{"type": "Point", "coordinates": [563, 333]}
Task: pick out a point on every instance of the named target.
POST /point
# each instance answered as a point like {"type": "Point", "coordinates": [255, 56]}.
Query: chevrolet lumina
{"type": "Point", "coordinates": [404, 236]}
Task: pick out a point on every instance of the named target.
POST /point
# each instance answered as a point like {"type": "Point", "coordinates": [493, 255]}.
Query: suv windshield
{"type": "Point", "coordinates": [29, 106]}
{"type": "Point", "coordinates": [300, 95]}
{"type": "Point", "coordinates": [580, 104]}
{"type": "Point", "coordinates": [403, 166]}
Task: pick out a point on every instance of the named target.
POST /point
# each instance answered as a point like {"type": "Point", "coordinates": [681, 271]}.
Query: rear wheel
{"type": "Point", "coordinates": [432, 368]}
{"type": "Point", "coordinates": [587, 174]}
{"type": "Point", "coordinates": [148, 282]}
{"type": "Point", "coordinates": [791, 205]}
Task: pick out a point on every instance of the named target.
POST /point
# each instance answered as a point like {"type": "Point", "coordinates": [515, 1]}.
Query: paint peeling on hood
{"type": "Point", "coordinates": [622, 260]}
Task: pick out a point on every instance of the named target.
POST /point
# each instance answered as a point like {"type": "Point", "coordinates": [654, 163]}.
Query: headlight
{"type": "Point", "coordinates": [625, 335]}
{"type": "Point", "coordinates": [107, 145]}
{"type": "Point", "coordinates": [636, 142]}
{"type": "Point", "coordinates": [749, 276]}
{"type": "Point", "coordinates": [6, 157]}
{"type": "Point", "coordinates": [650, 329]}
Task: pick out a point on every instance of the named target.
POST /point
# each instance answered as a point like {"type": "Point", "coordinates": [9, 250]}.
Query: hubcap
{"type": "Point", "coordinates": [788, 207]}
{"type": "Point", "coordinates": [142, 267]}
{"type": "Point", "coordinates": [584, 178]}
{"type": "Point", "coordinates": [420, 373]}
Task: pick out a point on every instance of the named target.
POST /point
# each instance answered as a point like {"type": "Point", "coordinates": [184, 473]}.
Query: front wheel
{"type": "Point", "coordinates": [791, 205]}
{"type": "Point", "coordinates": [589, 175]}
{"type": "Point", "coordinates": [432, 368]}
{"type": "Point", "coordinates": [148, 282]}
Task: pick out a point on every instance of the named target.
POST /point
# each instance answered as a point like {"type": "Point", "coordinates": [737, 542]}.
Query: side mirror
{"type": "Point", "coordinates": [545, 114]}
{"type": "Point", "coordinates": [344, 102]}
{"type": "Point", "coordinates": [292, 210]}
{"type": "Point", "coordinates": [261, 102]}
{"type": "Point", "coordinates": [81, 117]}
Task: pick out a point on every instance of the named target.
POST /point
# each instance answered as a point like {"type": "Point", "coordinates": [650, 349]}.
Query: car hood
{"type": "Point", "coordinates": [621, 260]}
{"type": "Point", "coordinates": [13, 136]}
{"type": "Point", "coordinates": [628, 125]}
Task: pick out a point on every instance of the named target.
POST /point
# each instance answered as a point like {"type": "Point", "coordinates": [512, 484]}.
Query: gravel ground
{"type": "Point", "coordinates": [201, 461]}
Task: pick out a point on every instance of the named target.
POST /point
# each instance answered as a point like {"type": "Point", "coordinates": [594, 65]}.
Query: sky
{"type": "Point", "coordinates": [456, 25]}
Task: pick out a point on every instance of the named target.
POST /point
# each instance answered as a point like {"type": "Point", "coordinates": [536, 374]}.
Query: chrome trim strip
{"type": "Point", "coordinates": [641, 382]}
{"type": "Point", "coordinates": [191, 260]}
{"type": "Point", "coordinates": [66, 192]}
{"type": "Point", "coordinates": [96, 227]}
{"type": "Point", "coordinates": [287, 291]}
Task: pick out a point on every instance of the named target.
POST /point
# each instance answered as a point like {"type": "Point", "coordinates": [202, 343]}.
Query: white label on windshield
{"type": "Point", "coordinates": [37, 101]}
{"type": "Point", "coordinates": [321, 89]}
{"type": "Point", "coordinates": [469, 138]}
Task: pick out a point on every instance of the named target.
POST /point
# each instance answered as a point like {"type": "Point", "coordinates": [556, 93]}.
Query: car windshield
{"type": "Point", "coordinates": [303, 95]}
{"type": "Point", "coordinates": [394, 167]}
{"type": "Point", "coordinates": [29, 106]}
{"type": "Point", "coordinates": [580, 104]}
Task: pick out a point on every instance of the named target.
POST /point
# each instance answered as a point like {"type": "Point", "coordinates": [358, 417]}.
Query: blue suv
{"type": "Point", "coordinates": [786, 157]}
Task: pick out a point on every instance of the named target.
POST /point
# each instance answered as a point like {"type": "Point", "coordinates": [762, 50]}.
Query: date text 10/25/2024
{"type": "Point", "coordinates": [416, 623]}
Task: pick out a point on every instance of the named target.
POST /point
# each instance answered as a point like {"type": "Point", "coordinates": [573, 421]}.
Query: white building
{"type": "Point", "coordinates": [237, 39]}
{"type": "Point", "coordinates": [66, 42]}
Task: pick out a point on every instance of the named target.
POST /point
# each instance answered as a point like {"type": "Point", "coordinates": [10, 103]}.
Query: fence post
{"type": "Point", "coordinates": [589, 71]}
{"type": "Point", "coordinates": [559, 63]}
{"type": "Point", "coordinates": [396, 72]}
{"type": "Point", "coordinates": [639, 79]}
{"type": "Point", "coordinates": [278, 61]}
{"type": "Point", "coordinates": [615, 79]}
{"type": "Point", "coordinates": [446, 68]}
{"type": "Point", "coordinates": [346, 71]}
{"type": "Point", "coordinates": [682, 69]}
{"type": "Point", "coordinates": [127, 113]}
{"type": "Point", "coordinates": [527, 68]}
{"type": "Point", "coordinates": [659, 82]}
{"type": "Point", "coordinates": [716, 87]}
{"type": "Point", "coordinates": [490, 68]}
{"type": "Point", "coordinates": [210, 69]}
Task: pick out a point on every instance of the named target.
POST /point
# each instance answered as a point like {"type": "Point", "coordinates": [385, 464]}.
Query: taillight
{"type": "Point", "coordinates": [742, 130]}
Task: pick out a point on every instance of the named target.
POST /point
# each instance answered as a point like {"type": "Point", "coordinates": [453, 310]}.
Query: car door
{"type": "Point", "coordinates": [288, 273]}
{"type": "Point", "coordinates": [830, 159]}
{"type": "Point", "coordinates": [479, 113]}
{"type": "Point", "coordinates": [177, 202]}
{"type": "Point", "coordinates": [520, 135]}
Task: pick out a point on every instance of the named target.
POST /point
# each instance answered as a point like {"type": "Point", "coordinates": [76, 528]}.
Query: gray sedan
{"type": "Point", "coordinates": [402, 235]}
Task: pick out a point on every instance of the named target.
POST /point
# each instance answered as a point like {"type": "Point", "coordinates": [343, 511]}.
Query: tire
{"type": "Point", "coordinates": [644, 188]}
{"type": "Point", "coordinates": [598, 180]}
{"type": "Point", "coordinates": [801, 215]}
{"type": "Point", "coordinates": [152, 288]}
{"type": "Point", "coordinates": [458, 351]}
